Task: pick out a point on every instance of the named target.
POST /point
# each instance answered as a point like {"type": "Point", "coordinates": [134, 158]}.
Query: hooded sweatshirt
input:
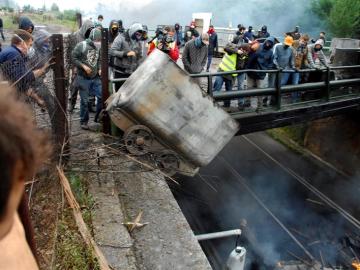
{"type": "Point", "coordinates": [123, 44]}
{"type": "Point", "coordinates": [86, 53]}
{"type": "Point", "coordinates": [284, 57]}
{"type": "Point", "coordinates": [80, 34]}
{"type": "Point", "coordinates": [25, 23]}
{"type": "Point", "coordinates": [262, 59]}
{"type": "Point", "coordinates": [42, 48]}
{"type": "Point", "coordinates": [113, 30]}
{"type": "Point", "coordinates": [314, 55]}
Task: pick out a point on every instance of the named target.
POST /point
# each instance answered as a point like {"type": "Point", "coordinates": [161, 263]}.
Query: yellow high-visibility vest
{"type": "Point", "coordinates": [228, 63]}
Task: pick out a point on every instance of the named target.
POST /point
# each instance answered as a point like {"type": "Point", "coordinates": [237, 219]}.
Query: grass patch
{"type": "Point", "coordinates": [71, 250]}
{"type": "Point", "coordinates": [8, 20]}
{"type": "Point", "coordinates": [295, 133]}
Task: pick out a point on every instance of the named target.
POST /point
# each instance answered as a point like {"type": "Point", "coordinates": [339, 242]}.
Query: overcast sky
{"type": "Point", "coordinates": [84, 5]}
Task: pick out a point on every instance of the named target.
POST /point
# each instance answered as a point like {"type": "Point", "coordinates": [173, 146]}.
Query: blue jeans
{"type": "Point", "coordinates": [210, 57]}
{"type": "Point", "coordinates": [228, 87]}
{"type": "Point", "coordinates": [285, 78]}
{"type": "Point", "coordinates": [240, 82]}
{"type": "Point", "coordinates": [295, 79]}
{"type": "Point", "coordinates": [88, 87]}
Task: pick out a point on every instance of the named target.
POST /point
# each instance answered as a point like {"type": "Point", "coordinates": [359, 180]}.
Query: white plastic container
{"type": "Point", "coordinates": [236, 259]}
{"type": "Point", "coordinates": [161, 96]}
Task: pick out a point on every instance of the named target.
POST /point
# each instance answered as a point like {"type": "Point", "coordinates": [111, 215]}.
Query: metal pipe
{"type": "Point", "coordinates": [217, 235]}
{"type": "Point", "coordinates": [118, 80]}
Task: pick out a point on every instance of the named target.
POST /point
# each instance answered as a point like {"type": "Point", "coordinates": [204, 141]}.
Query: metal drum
{"type": "Point", "coordinates": [162, 97]}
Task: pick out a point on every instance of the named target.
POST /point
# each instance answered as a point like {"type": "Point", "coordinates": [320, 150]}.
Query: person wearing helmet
{"type": "Point", "coordinates": [86, 57]}
{"type": "Point", "coordinates": [127, 52]}
{"type": "Point", "coordinates": [263, 33]}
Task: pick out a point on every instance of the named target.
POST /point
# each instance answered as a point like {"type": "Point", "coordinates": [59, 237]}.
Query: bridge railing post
{"type": "Point", "coordinates": [210, 86]}
{"type": "Point", "coordinates": [106, 126]}
{"type": "Point", "coordinates": [278, 89]}
{"type": "Point", "coordinates": [327, 83]}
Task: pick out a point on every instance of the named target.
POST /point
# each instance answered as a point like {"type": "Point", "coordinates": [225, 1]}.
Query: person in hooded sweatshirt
{"type": "Point", "coordinates": [113, 31]}
{"type": "Point", "coordinates": [284, 58]}
{"type": "Point", "coordinates": [86, 57]}
{"type": "Point", "coordinates": [316, 56]}
{"type": "Point", "coordinates": [26, 24]}
{"type": "Point", "coordinates": [79, 36]}
{"type": "Point", "coordinates": [263, 33]}
{"type": "Point", "coordinates": [127, 51]}
{"type": "Point", "coordinates": [261, 59]}
{"type": "Point", "coordinates": [178, 35]}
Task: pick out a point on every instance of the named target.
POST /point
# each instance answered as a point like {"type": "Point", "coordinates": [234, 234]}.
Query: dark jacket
{"type": "Point", "coordinates": [86, 53]}
{"type": "Point", "coordinates": [25, 23]}
{"type": "Point", "coordinates": [248, 36]}
{"type": "Point", "coordinates": [238, 38]}
{"type": "Point", "coordinates": [262, 59]}
{"type": "Point", "coordinates": [194, 58]}
{"type": "Point", "coordinates": [43, 50]}
{"type": "Point", "coordinates": [178, 38]}
{"type": "Point", "coordinates": [263, 34]}
{"type": "Point", "coordinates": [119, 49]}
{"type": "Point", "coordinates": [1, 23]}
{"type": "Point", "coordinates": [113, 32]}
{"type": "Point", "coordinates": [191, 34]}
{"type": "Point", "coordinates": [213, 43]}
{"type": "Point", "coordinates": [242, 59]}
{"type": "Point", "coordinates": [14, 67]}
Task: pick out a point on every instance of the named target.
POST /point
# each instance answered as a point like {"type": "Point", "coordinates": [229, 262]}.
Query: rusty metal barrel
{"type": "Point", "coordinates": [162, 97]}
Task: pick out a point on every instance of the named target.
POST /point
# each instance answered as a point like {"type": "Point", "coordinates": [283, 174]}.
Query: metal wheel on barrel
{"type": "Point", "coordinates": [168, 161]}
{"type": "Point", "coordinates": [138, 140]}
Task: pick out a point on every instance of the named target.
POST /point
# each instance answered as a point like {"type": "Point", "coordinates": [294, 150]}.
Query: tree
{"type": "Point", "coordinates": [344, 18]}
{"type": "Point", "coordinates": [322, 8]}
{"type": "Point", "coordinates": [54, 7]}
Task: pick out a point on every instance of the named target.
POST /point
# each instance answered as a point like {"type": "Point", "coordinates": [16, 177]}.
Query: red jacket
{"type": "Point", "coordinates": [173, 53]}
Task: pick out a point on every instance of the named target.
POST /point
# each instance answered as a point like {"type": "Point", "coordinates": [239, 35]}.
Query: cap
{"type": "Point", "coordinates": [289, 40]}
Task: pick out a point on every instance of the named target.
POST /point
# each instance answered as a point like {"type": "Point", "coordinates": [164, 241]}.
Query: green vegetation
{"type": "Point", "coordinates": [71, 251]}
{"type": "Point", "coordinates": [295, 133]}
{"type": "Point", "coordinates": [341, 17]}
{"type": "Point", "coordinates": [53, 16]}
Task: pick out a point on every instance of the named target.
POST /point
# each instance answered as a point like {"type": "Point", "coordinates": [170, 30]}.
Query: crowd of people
{"type": "Point", "coordinates": [128, 48]}
{"type": "Point", "coordinates": [26, 63]}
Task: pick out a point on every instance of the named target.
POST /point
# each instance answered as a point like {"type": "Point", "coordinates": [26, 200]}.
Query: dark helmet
{"type": "Point", "coordinates": [250, 28]}
{"type": "Point", "coordinates": [264, 28]}
{"type": "Point", "coordinates": [240, 26]}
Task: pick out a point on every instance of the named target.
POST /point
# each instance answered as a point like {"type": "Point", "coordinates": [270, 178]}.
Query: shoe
{"type": "Point", "coordinates": [84, 126]}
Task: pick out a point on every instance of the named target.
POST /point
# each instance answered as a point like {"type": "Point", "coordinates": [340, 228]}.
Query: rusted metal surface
{"type": "Point", "coordinates": [164, 98]}
{"type": "Point", "coordinates": [105, 78]}
{"type": "Point", "coordinates": [61, 127]}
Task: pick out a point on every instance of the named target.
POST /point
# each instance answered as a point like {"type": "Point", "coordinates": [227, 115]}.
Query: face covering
{"type": "Point", "coordinates": [137, 36]}
{"type": "Point", "coordinates": [97, 44]}
{"type": "Point", "coordinates": [317, 49]}
{"type": "Point", "coordinates": [198, 42]}
{"type": "Point", "coordinates": [177, 27]}
{"type": "Point", "coordinates": [268, 45]}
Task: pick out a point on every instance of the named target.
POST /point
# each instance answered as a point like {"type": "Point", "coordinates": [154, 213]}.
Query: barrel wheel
{"type": "Point", "coordinates": [138, 140]}
{"type": "Point", "coordinates": [168, 161]}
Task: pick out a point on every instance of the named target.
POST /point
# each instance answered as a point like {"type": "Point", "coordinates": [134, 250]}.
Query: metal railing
{"type": "Point", "coordinates": [278, 90]}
